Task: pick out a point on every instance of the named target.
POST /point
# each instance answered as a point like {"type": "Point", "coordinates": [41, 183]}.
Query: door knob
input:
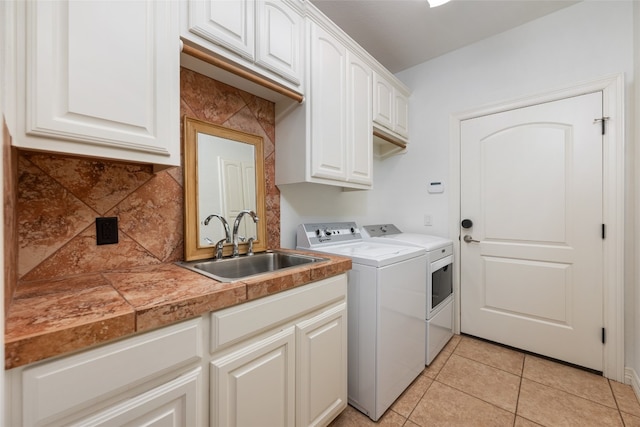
{"type": "Point", "coordinates": [469, 239]}
{"type": "Point", "coordinates": [467, 223]}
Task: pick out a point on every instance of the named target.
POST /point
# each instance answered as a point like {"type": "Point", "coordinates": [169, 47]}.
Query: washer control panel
{"type": "Point", "coordinates": [379, 230]}
{"type": "Point", "coordinates": [325, 233]}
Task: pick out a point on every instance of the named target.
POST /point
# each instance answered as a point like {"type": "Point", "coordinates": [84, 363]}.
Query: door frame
{"type": "Point", "coordinates": [612, 88]}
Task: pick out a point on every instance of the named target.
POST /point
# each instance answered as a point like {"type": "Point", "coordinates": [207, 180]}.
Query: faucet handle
{"type": "Point", "coordinates": [220, 248]}
{"type": "Point", "coordinates": [250, 246]}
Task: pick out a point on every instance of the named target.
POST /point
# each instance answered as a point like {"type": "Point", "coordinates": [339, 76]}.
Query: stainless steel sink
{"type": "Point", "coordinates": [231, 269]}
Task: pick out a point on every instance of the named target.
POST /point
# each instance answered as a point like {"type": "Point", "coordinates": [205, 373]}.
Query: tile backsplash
{"type": "Point", "coordinates": [59, 197]}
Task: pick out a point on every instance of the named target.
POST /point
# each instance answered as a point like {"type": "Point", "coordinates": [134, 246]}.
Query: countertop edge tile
{"type": "Point", "coordinates": [259, 287]}
{"type": "Point", "coordinates": [166, 314]}
{"type": "Point", "coordinates": [34, 348]}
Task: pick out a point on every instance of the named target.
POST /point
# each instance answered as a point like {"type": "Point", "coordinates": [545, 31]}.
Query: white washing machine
{"type": "Point", "coordinates": [439, 283]}
{"type": "Point", "coordinates": [386, 314]}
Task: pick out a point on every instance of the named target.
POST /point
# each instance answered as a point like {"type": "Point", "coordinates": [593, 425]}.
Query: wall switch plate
{"type": "Point", "coordinates": [427, 220]}
{"type": "Point", "coordinates": [107, 230]}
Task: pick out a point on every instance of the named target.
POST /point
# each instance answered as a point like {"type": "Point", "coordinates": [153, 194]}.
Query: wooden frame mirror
{"type": "Point", "coordinates": [223, 174]}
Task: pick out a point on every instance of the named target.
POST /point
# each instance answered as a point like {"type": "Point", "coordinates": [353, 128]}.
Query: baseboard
{"type": "Point", "coordinates": [631, 377]}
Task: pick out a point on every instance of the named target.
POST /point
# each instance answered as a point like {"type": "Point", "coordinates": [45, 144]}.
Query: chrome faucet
{"type": "Point", "coordinates": [227, 233]}
{"type": "Point", "coordinates": [236, 224]}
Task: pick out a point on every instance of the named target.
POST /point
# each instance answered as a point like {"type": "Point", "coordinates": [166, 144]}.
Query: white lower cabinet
{"type": "Point", "coordinates": [321, 367]}
{"type": "Point", "coordinates": [173, 404]}
{"type": "Point", "coordinates": [154, 378]}
{"type": "Point", "coordinates": [280, 360]}
{"type": "Point", "coordinates": [254, 385]}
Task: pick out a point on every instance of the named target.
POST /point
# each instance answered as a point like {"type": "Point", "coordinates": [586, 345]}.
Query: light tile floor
{"type": "Point", "coordinates": [475, 383]}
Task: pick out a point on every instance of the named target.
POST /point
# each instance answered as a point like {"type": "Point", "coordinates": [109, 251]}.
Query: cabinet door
{"type": "Point", "coordinates": [229, 24]}
{"type": "Point", "coordinates": [383, 102]}
{"type": "Point", "coordinates": [255, 385]}
{"type": "Point", "coordinates": [359, 135]}
{"type": "Point", "coordinates": [105, 75]}
{"type": "Point", "coordinates": [279, 39]}
{"type": "Point", "coordinates": [328, 105]}
{"type": "Point", "coordinates": [174, 404]}
{"type": "Point", "coordinates": [401, 117]}
{"type": "Point", "coordinates": [322, 367]}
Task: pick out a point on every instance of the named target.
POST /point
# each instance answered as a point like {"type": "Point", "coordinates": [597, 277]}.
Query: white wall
{"type": "Point", "coordinates": [582, 42]}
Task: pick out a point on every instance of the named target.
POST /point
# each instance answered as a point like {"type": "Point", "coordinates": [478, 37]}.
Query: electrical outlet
{"type": "Point", "coordinates": [427, 220]}
{"type": "Point", "coordinates": [107, 230]}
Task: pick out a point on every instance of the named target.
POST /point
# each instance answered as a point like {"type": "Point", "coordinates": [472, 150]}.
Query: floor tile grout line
{"type": "Point", "coordinates": [486, 364]}
{"type": "Point", "coordinates": [615, 399]}
{"type": "Point", "coordinates": [496, 346]}
{"type": "Point", "coordinates": [573, 394]}
{"type": "Point", "coordinates": [419, 400]}
{"type": "Point", "coordinates": [475, 397]}
{"type": "Point", "coordinates": [515, 418]}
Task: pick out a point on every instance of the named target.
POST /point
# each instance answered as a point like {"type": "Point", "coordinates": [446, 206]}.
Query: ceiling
{"type": "Point", "coordinates": [404, 33]}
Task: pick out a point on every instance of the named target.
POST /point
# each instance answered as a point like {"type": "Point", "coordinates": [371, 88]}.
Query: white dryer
{"type": "Point", "coordinates": [439, 283]}
{"type": "Point", "coordinates": [386, 326]}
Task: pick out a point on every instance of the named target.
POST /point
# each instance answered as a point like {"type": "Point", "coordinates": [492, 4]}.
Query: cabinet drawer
{"type": "Point", "coordinates": [57, 388]}
{"type": "Point", "coordinates": [175, 403]}
{"type": "Point", "coordinates": [236, 323]}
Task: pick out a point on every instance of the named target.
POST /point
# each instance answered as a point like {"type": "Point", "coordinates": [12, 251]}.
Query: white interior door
{"type": "Point", "coordinates": [531, 183]}
{"type": "Point", "coordinates": [250, 197]}
{"type": "Point", "coordinates": [239, 193]}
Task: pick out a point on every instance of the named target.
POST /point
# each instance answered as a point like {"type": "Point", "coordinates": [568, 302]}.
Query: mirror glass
{"type": "Point", "coordinates": [224, 174]}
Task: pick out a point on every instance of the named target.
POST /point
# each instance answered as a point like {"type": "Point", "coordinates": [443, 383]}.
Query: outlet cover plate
{"type": "Point", "coordinates": [107, 230]}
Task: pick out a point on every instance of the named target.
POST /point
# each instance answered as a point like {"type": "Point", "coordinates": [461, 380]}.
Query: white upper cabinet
{"type": "Point", "coordinates": [280, 35]}
{"type": "Point", "coordinates": [391, 107]}
{"type": "Point", "coordinates": [263, 36]}
{"type": "Point", "coordinates": [328, 95]}
{"type": "Point", "coordinates": [98, 79]}
{"type": "Point", "coordinates": [401, 117]}
{"type": "Point", "coordinates": [359, 135]}
{"type": "Point", "coordinates": [335, 121]}
{"type": "Point", "coordinates": [229, 24]}
{"type": "Point", "coordinates": [382, 102]}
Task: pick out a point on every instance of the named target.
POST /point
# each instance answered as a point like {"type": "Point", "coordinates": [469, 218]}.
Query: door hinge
{"type": "Point", "coordinates": [604, 233]}
{"type": "Point", "coordinates": [603, 336]}
{"type": "Point", "coordinates": [603, 121]}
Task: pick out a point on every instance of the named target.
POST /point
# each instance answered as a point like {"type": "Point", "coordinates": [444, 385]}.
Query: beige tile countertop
{"type": "Point", "coordinates": [54, 317]}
